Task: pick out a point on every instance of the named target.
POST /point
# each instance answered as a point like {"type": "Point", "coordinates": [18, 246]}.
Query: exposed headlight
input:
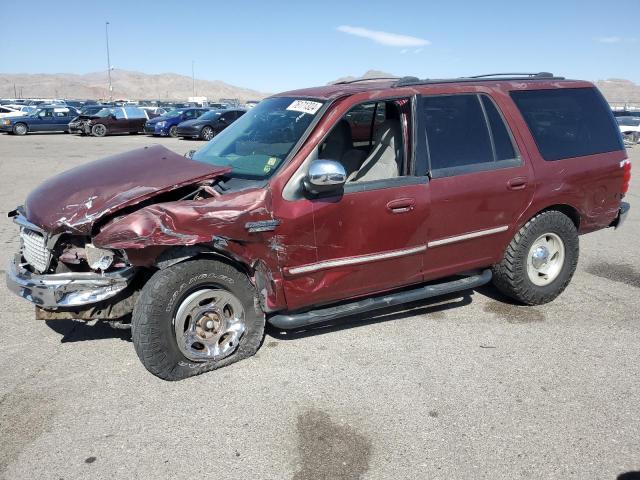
{"type": "Point", "coordinates": [6, 122]}
{"type": "Point", "coordinates": [98, 258]}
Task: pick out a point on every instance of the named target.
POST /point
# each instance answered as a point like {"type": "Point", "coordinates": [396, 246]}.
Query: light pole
{"type": "Point", "coordinates": [106, 29]}
{"type": "Point", "coordinates": [193, 77]}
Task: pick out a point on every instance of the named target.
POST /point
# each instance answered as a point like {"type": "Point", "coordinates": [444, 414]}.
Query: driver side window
{"type": "Point", "coordinates": [369, 141]}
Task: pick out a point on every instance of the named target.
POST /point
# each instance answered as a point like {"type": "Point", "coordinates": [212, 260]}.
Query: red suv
{"type": "Point", "coordinates": [324, 202]}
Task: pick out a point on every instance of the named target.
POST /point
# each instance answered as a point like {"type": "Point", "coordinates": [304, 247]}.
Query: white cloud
{"type": "Point", "coordinates": [608, 39]}
{"type": "Point", "coordinates": [385, 38]}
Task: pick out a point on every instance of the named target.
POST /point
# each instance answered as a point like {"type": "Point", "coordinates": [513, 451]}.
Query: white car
{"type": "Point", "coordinates": [630, 128]}
{"type": "Point", "coordinates": [9, 112]}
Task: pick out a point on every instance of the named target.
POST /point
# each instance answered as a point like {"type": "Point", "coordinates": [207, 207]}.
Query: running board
{"type": "Point", "coordinates": [297, 320]}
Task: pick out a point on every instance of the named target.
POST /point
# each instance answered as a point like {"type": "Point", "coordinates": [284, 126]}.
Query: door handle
{"type": "Point", "coordinates": [518, 183]}
{"type": "Point", "coordinates": [401, 205]}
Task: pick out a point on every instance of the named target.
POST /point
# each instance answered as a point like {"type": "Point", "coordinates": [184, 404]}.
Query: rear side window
{"type": "Point", "coordinates": [568, 122]}
{"type": "Point", "coordinates": [465, 133]}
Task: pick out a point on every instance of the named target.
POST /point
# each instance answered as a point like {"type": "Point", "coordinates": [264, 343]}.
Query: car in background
{"type": "Point", "coordinates": [209, 124]}
{"type": "Point", "coordinates": [629, 128]}
{"type": "Point", "coordinates": [167, 124]}
{"type": "Point", "coordinates": [155, 111]}
{"type": "Point", "coordinates": [251, 103]}
{"type": "Point", "coordinates": [110, 120]}
{"type": "Point", "coordinates": [9, 112]}
{"type": "Point", "coordinates": [47, 118]}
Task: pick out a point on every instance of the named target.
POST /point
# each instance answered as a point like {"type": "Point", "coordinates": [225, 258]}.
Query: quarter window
{"type": "Point", "coordinates": [568, 122]}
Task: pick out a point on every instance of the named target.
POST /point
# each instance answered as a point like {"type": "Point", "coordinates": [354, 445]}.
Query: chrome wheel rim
{"type": "Point", "coordinates": [545, 259]}
{"type": "Point", "coordinates": [207, 133]}
{"type": "Point", "coordinates": [208, 324]}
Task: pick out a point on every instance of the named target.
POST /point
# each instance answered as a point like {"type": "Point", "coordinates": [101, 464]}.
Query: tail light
{"type": "Point", "coordinates": [626, 177]}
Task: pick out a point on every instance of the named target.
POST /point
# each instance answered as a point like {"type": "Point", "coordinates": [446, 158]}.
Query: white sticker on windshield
{"type": "Point", "coordinates": [305, 106]}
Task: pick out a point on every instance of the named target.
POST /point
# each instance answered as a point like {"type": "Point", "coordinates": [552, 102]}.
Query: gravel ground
{"type": "Point", "coordinates": [469, 387]}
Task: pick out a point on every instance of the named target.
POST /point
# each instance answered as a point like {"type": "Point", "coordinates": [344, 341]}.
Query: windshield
{"type": "Point", "coordinates": [105, 112]}
{"type": "Point", "coordinates": [257, 143]}
{"type": "Point", "coordinates": [172, 113]}
{"type": "Point", "coordinates": [210, 115]}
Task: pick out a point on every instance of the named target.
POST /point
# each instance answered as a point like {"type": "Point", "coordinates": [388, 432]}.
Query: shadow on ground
{"type": "Point", "coordinates": [80, 331]}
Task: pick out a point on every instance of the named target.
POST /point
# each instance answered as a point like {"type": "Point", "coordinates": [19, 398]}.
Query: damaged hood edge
{"type": "Point", "coordinates": [74, 200]}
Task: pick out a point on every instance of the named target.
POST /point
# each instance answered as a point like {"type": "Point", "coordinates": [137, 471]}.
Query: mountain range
{"type": "Point", "coordinates": [126, 85]}
{"type": "Point", "coordinates": [171, 86]}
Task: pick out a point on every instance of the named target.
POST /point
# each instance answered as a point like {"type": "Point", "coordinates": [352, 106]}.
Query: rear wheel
{"type": "Point", "coordinates": [207, 133]}
{"type": "Point", "coordinates": [20, 129]}
{"type": "Point", "coordinates": [540, 260]}
{"type": "Point", "coordinates": [173, 131]}
{"type": "Point", "coordinates": [194, 317]}
{"type": "Point", "coordinates": [99, 130]}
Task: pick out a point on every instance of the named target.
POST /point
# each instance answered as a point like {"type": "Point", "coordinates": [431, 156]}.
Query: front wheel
{"type": "Point", "coordinates": [540, 260]}
{"type": "Point", "coordinates": [173, 131]}
{"type": "Point", "coordinates": [20, 129]}
{"type": "Point", "coordinates": [207, 133]}
{"type": "Point", "coordinates": [99, 130]}
{"type": "Point", "coordinates": [194, 317]}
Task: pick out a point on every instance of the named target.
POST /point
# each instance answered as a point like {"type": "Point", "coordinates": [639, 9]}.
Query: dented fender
{"type": "Point", "coordinates": [224, 224]}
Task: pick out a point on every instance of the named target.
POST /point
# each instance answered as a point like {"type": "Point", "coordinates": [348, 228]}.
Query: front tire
{"type": "Point", "coordinates": [98, 130]}
{"type": "Point", "coordinates": [173, 131]}
{"type": "Point", "coordinates": [20, 129]}
{"type": "Point", "coordinates": [207, 133]}
{"type": "Point", "coordinates": [540, 260]}
{"type": "Point", "coordinates": [195, 317]}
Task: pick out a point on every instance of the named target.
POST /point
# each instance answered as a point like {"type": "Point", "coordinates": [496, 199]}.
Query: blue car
{"type": "Point", "coordinates": [167, 124]}
{"type": "Point", "coordinates": [47, 118]}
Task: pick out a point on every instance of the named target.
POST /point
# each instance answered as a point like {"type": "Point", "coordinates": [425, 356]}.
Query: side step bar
{"type": "Point", "coordinates": [298, 320]}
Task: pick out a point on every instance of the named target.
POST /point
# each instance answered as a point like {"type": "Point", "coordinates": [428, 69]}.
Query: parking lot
{"type": "Point", "coordinates": [467, 387]}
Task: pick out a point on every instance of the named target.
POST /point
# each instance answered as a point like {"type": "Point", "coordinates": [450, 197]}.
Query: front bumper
{"type": "Point", "coordinates": [188, 131]}
{"type": "Point", "coordinates": [64, 290]}
{"type": "Point", "coordinates": [6, 128]}
{"type": "Point", "coordinates": [622, 215]}
{"type": "Point", "coordinates": [153, 129]}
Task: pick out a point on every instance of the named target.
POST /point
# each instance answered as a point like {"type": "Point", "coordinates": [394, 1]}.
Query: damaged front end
{"type": "Point", "coordinates": [59, 274]}
{"type": "Point", "coordinates": [87, 254]}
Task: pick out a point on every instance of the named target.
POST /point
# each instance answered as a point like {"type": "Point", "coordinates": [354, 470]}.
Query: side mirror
{"type": "Point", "coordinates": [325, 176]}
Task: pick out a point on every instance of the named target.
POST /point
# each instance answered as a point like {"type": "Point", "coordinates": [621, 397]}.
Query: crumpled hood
{"type": "Point", "coordinates": [74, 200]}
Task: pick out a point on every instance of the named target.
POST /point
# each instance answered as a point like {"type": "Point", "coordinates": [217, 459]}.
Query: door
{"type": "Point", "coordinates": [44, 122]}
{"type": "Point", "coordinates": [372, 237]}
{"type": "Point", "coordinates": [480, 184]}
{"type": "Point", "coordinates": [61, 119]}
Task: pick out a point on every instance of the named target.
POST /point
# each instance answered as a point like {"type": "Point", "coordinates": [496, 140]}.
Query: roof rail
{"type": "Point", "coordinates": [406, 81]}
{"type": "Point", "coordinates": [531, 75]}
{"type": "Point", "coordinates": [357, 80]}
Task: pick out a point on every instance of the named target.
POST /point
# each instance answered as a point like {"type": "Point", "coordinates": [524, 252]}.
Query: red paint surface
{"type": "Point", "coordinates": [355, 224]}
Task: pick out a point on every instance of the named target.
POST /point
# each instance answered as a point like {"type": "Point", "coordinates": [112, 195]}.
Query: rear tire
{"type": "Point", "coordinates": [540, 260]}
{"type": "Point", "coordinates": [161, 305]}
{"type": "Point", "coordinates": [20, 129]}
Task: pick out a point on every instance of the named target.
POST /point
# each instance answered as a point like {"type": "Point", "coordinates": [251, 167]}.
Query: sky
{"type": "Point", "coordinates": [273, 46]}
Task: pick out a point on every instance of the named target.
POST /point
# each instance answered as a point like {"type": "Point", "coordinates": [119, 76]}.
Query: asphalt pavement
{"type": "Point", "coordinates": [466, 387]}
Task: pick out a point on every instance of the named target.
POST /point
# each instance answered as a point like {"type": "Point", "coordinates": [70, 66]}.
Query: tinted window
{"type": "Point", "coordinates": [457, 134]}
{"type": "Point", "coordinates": [501, 138]}
{"type": "Point", "coordinates": [568, 122]}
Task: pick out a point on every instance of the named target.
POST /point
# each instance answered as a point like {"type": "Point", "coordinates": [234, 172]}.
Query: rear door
{"type": "Point", "coordinates": [480, 184]}
{"type": "Point", "coordinates": [44, 122]}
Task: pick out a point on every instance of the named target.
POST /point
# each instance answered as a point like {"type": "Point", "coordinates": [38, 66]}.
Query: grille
{"type": "Point", "coordinates": [34, 249]}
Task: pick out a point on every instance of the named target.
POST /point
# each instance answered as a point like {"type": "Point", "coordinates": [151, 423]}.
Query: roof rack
{"type": "Point", "coordinates": [357, 80]}
{"type": "Point", "coordinates": [405, 81]}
